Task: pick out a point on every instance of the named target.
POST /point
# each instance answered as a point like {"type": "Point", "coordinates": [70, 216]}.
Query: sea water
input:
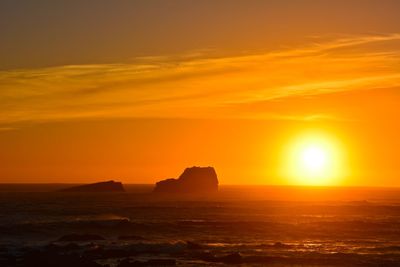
{"type": "Point", "coordinates": [278, 226]}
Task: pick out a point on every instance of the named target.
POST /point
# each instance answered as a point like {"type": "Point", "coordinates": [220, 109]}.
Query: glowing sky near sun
{"type": "Point", "coordinates": [141, 89]}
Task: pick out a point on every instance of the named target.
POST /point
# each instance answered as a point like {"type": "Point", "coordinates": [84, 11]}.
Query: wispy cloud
{"type": "Point", "coordinates": [197, 85]}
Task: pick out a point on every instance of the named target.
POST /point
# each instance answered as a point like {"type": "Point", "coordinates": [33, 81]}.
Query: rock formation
{"type": "Point", "coordinates": [109, 186]}
{"type": "Point", "coordinates": [192, 180]}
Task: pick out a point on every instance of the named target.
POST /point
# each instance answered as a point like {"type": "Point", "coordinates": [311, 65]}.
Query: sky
{"type": "Point", "coordinates": [138, 90]}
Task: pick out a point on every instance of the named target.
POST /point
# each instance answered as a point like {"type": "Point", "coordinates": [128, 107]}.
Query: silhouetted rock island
{"type": "Point", "coordinates": [192, 180]}
{"type": "Point", "coordinates": [109, 186]}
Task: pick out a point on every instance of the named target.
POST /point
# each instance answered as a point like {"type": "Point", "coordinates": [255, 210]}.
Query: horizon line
{"type": "Point", "coordinates": [245, 185]}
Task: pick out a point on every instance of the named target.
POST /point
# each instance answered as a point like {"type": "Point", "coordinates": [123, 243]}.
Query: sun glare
{"type": "Point", "coordinates": [313, 159]}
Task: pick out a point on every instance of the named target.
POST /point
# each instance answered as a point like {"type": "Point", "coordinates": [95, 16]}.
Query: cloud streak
{"type": "Point", "coordinates": [197, 85]}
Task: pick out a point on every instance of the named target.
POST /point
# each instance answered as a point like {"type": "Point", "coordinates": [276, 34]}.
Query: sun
{"type": "Point", "coordinates": [313, 158]}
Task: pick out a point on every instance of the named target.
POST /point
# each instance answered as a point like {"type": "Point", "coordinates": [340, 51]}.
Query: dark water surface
{"type": "Point", "coordinates": [275, 226]}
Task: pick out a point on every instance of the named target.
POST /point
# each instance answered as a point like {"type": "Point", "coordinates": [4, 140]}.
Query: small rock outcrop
{"type": "Point", "coordinates": [109, 186]}
{"type": "Point", "coordinates": [192, 180]}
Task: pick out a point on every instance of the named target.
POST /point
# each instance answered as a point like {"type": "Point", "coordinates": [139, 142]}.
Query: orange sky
{"type": "Point", "coordinates": [232, 96]}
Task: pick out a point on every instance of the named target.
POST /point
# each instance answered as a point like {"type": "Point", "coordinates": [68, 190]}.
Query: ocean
{"type": "Point", "coordinates": [247, 225]}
